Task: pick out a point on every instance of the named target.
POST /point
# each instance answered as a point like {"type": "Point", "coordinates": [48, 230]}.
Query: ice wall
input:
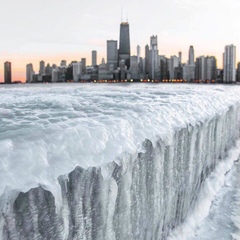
{"type": "Point", "coordinates": [140, 194]}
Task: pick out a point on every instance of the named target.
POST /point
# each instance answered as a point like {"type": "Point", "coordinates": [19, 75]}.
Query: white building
{"type": "Point", "coordinates": [229, 64]}
{"type": "Point", "coordinates": [77, 71]}
{"type": "Point", "coordinates": [55, 75]}
{"type": "Point", "coordinates": [138, 54]}
{"type": "Point", "coordinates": [29, 73]}
{"type": "Point", "coordinates": [174, 62]}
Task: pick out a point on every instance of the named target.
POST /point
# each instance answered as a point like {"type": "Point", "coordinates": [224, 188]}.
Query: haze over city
{"type": "Point", "coordinates": [55, 30]}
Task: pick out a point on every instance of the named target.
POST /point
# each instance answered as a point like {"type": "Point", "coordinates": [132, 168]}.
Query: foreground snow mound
{"type": "Point", "coordinates": [108, 162]}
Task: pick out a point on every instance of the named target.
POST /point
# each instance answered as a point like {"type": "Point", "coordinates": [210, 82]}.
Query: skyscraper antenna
{"type": "Point", "coordinates": [127, 16]}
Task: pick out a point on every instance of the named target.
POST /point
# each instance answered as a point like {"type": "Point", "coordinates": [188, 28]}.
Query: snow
{"type": "Point", "coordinates": [49, 130]}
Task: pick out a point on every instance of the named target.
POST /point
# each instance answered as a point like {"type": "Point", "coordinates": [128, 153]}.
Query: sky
{"type": "Point", "coordinates": [53, 30]}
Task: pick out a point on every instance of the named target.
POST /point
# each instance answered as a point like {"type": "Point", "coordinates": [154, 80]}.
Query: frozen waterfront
{"type": "Point", "coordinates": [223, 221]}
{"type": "Point", "coordinates": [117, 161]}
{"type": "Point", "coordinates": [217, 213]}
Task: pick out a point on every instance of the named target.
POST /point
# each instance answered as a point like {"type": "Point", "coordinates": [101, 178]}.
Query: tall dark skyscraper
{"type": "Point", "coordinates": [147, 59]}
{"type": "Point", "coordinates": [7, 72]}
{"type": "Point", "coordinates": [191, 56]}
{"type": "Point", "coordinates": [180, 58]}
{"type": "Point", "coordinates": [94, 58]}
{"type": "Point", "coordinates": [83, 60]}
{"type": "Point", "coordinates": [42, 67]}
{"type": "Point", "coordinates": [124, 44]}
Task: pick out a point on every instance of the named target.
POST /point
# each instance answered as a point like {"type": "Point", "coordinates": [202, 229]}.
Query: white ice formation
{"type": "Point", "coordinates": [108, 161]}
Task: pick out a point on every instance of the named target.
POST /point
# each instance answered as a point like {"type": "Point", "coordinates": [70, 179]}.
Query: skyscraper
{"type": "Point", "coordinates": [147, 59]}
{"type": "Point", "coordinates": [7, 73]}
{"type": "Point", "coordinates": [41, 67]}
{"type": "Point", "coordinates": [29, 73]}
{"type": "Point", "coordinates": [164, 67]}
{"type": "Point", "coordinates": [124, 44]}
{"type": "Point", "coordinates": [134, 67]}
{"type": "Point", "coordinates": [83, 60]}
{"type": "Point", "coordinates": [55, 75]}
{"type": "Point", "coordinates": [180, 58]}
{"type": "Point", "coordinates": [211, 63]}
{"type": "Point", "coordinates": [206, 68]}
{"type": "Point", "coordinates": [191, 56]}
{"type": "Point", "coordinates": [188, 72]}
{"type": "Point", "coordinates": [94, 58]}
{"type": "Point", "coordinates": [201, 68]}
{"type": "Point", "coordinates": [153, 58]}
{"type": "Point", "coordinates": [138, 53]}
{"type": "Point", "coordinates": [112, 54]}
{"type": "Point", "coordinates": [174, 63]}
{"type": "Point", "coordinates": [229, 64]}
{"type": "Point", "coordinates": [48, 69]}
{"type": "Point", "coordinates": [77, 71]}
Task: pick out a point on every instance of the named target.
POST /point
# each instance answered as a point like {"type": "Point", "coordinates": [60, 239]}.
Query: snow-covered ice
{"type": "Point", "coordinates": [118, 161]}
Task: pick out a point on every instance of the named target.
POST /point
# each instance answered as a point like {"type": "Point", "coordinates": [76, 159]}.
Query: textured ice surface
{"type": "Point", "coordinates": [49, 130]}
{"type": "Point", "coordinates": [216, 212]}
{"type": "Point", "coordinates": [223, 221]}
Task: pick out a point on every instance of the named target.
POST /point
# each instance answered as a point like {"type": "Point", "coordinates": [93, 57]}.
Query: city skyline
{"type": "Point", "coordinates": [45, 31]}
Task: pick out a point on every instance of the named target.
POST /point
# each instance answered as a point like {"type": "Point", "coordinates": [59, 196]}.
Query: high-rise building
{"type": "Point", "coordinates": [29, 73]}
{"type": "Point", "coordinates": [55, 75]}
{"type": "Point", "coordinates": [77, 71]}
{"type": "Point", "coordinates": [191, 56]}
{"type": "Point", "coordinates": [206, 68]}
{"type": "Point", "coordinates": [164, 72]}
{"type": "Point", "coordinates": [141, 66]}
{"type": "Point", "coordinates": [94, 58]}
{"type": "Point", "coordinates": [41, 67]}
{"type": "Point", "coordinates": [147, 59]}
{"type": "Point", "coordinates": [211, 65]}
{"type": "Point", "coordinates": [7, 72]}
{"type": "Point", "coordinates": [174, 63]}
{"type": "Point", "coordinates": [178, 72]}
{"type": "Point", "coordinates": [180, 58]}
{"type": "Point", "coordinates": [138, 53]}
{"type": "Point", "coordinates": [103, 72]}
{"type": "Point", "coordinates": [124, 44]}
{"type": "Point", "coordinates": [83, 60]}
{"type": "Point", "coordinates": [201, 68]}
{"type": "Point", "coordinates": [48, 69]}
{"type": "Point", "coordinates": [134, 67]}
{"type": "Point", "coordinates": [229, 66]}
{"type": "Point", "coordinates": [112, 54]}
{"type": "Point", "coordinates": [153, 58]}
{"type": "Point", "coordinates": [188, 72]}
